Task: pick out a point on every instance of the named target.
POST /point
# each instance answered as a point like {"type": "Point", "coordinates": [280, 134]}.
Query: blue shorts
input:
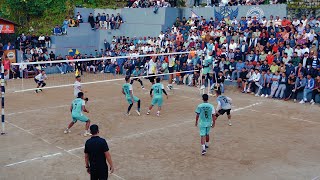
{"type": "Point", "coordinates": [81, 118]}
{"type": "Point", "coordinates": [135, 99]}
{"type": "Point", "coordinates": [157, 100]}
{"type": "Point", "coordinates": [204, 130]}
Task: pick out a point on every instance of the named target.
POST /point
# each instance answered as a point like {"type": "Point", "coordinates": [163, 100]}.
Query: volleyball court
{"type": "Point", "coordinates": [147, 146]}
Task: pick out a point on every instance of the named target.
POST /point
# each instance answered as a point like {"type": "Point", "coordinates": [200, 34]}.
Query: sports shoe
{"type": "Point", "coordinates": [230, 124]}
{"type": "Point", "coordinates": [203, 152]}
{"type": "Point", "coordinates": [202, 87]}
{"type": "Point", "coordinates": [158, 114]}
{"type": "Point", "coordinates": [87, 134]}
{"type": "Point", "coordinates": [40, 90]}
{"type": "Point", "coordinates": [66, 131]}
{"type": "Point", "coordinates": [312, 102]}
{"type": "Point", "coordinates": [302, 101]}
{"type": "Point", "coordinates": [295, 100]}
{"type": "Point", "coordinates": [138, 112]}
{"type": "Point", "coordinates": [169, 87]}
{"type": "Point", "coordinates": [36, 91]}
{"type": "Point", "coordinates": [127, 114]}
{"type": "Point", "coordinates": [207, 147]}
{"type": "Point", "coordinates": [267, 95]}
{"type": "Point", "coordinates": [143, 88]}
{"type": "Point", "coordinates": [256, 95]}
{"type": "Point", "coordinates": [262, 95]}
{"type": "Point", "coordinates": [148, 113]}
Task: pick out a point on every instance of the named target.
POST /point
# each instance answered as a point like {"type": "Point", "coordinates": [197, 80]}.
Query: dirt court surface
{"type": "Point", "coordinates": [269, 139]}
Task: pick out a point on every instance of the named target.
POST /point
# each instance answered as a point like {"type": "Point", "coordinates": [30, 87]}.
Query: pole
{"type": "Point", "coordinates": [2, 99]}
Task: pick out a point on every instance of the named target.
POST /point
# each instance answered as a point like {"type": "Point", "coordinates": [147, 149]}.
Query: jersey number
{"type": "Point", "coordinates": [157, 91]}
{"type": "Point", "coordinates": [74, 106]}
{"type": "Point", "coordinates": [206, 114]}
{"type": "Point", "coordinates": [126, 90]}
{"type": "Point", "coordinates": [225, 100]}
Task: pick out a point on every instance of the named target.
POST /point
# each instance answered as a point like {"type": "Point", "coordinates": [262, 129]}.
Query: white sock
{"type": "Point", "coordinates": [206, 143]}
{"type": "Point", "coordinates": [158, 112]}
{"type": "Point", "coordinates": [148, 111]}
{"type": "Point", "coordinates": [203, 147]}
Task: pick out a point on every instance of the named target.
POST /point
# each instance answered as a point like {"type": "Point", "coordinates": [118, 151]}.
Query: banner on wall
{"type": "Point", "coordinates": [73, 52]}
{"type": "Point", "coordinates": [226, 11]}
{"type": "Point", "coordinates": [6, 28]}
{"type": "Point", "coordinates": [11, 54]}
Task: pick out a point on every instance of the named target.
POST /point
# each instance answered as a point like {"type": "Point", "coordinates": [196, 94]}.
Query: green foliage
{"type": "Point", "coordinates": [43, 15]}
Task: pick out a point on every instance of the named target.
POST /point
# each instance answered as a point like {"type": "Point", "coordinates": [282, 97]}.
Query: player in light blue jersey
{"type": "Point", "coordinates": [157, 98]}
{"type": "Point", "coordinates": [128, 92]}
{"type": "Point", "coordinates": [205, 116]}
{"type": "Point", "coordinates": [224, 106]}
{"type": "Point", "coordinates": [77, 108]}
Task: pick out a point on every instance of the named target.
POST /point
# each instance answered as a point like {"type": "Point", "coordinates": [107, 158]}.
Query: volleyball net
{"type": "Point", "coordinates": [62, 73]}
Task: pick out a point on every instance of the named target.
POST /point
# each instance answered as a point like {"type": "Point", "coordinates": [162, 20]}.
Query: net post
{"type": "Point", "coordinates": [2, 99]}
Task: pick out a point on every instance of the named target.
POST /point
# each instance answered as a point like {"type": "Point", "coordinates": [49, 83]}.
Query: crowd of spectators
{"type": "Point", "coordinates": [246, 50]}
{"type": "Point", "coordinates": [105, 21]}
{"type": "Point", "coordinates": [210, 3]}
{"type": "Point", "coordinates": [151, 3]}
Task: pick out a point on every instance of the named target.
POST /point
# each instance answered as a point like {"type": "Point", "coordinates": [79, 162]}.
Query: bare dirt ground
{"type": "Point", "coordinates": [269, 139]}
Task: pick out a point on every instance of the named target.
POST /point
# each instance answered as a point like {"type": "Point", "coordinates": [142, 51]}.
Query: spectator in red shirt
{"type": "Point", "coordinates": [6, 63]}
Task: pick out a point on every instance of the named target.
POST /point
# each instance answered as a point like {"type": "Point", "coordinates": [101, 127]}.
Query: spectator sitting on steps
{"type": "Point", "coordinates": [57, 31]}
{"type": "Point", "coordinates": [91, 21]}
{"type": "Point", "coordinates": [79, 18]}
{"type": "Point", "coordinates": [118, 20]}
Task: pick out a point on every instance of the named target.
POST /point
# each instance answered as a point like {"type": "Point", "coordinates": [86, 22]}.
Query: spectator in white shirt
{"type": "Point", "coordinates": [255, 81]}
{"type": "Point", "coordinates": [233, 45]}
{"type": "Point", "coordinates": [295, 22]}
{"type": "Point", "coordinates": [264, 21]}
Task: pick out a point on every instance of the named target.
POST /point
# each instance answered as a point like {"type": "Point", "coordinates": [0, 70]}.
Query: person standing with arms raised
{"type": "Point", "coordinates": [96, 154]}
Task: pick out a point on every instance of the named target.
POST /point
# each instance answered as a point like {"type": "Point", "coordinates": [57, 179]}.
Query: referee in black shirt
{"type": "Point", "coordinates": [96, 153]}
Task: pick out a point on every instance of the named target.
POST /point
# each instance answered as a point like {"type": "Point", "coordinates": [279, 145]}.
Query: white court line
{"type": "Point", "coordinates": [29, 160]}
{"type": "Point", "coordinates": [279, 115]}
{"type": "Point", "coordinates": [316, 178]}
{"type": "Point", "coordinates": [313, 122]}
{"type": "Point", "coordinates": [34, 110]}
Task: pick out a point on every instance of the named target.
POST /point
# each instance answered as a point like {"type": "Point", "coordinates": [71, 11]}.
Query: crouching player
{"type": "Point", "coordinates": [224, 106]}
{"type": "Point", "coordinates": [39, 79]}
{"type": "Point", "coordinates": [137, 72]}
{"type": "Point", "coordinates": [157, 90]}
{"type": "Point", "coordinates": [205, 112]}
{"type": "Point", "coordinates": [77, 108]}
